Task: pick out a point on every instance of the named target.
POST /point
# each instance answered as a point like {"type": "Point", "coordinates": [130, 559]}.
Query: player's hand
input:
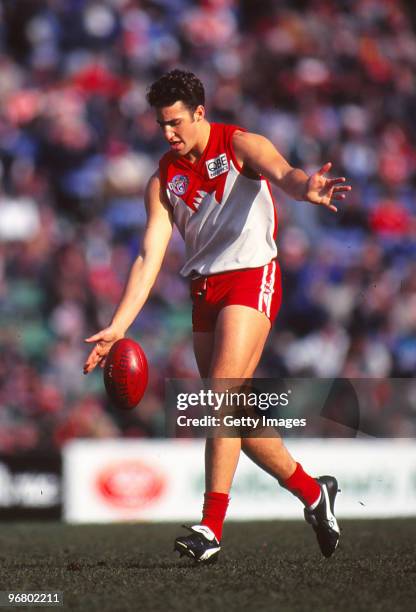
{"type": "Point", "coordinates": [324, 191]}
{"type": "Point", "coordinates": [104, 341]}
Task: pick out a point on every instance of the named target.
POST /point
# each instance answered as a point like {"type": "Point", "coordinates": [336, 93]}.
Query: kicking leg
{"type": "Point", "coordinates": [239, 340]}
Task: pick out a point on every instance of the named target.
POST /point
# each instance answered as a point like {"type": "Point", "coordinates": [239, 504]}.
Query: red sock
{"type": "Point", "coordinates": [303, 486]}
{"type": "Point", "coordinates": [213, 512]}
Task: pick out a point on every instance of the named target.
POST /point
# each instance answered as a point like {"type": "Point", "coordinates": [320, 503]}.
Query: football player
{"type": "Point", "coordinates": [214, 184]}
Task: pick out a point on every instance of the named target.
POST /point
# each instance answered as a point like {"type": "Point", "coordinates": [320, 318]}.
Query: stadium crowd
{"type": "Point", "coordinates": [325, 81]}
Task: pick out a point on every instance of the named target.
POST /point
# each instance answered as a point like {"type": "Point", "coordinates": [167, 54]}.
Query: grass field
{"type": "Point", "coordinates": [263, 566]}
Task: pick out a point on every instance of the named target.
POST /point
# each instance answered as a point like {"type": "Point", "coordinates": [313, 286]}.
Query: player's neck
{"type": "Point", "coordinates": [197, 151]}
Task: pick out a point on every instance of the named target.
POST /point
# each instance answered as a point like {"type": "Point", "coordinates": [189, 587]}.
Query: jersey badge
{"type": "Point", "coordinates": [217, 165]}
{"type": "Point", "coordinates": [179, 184]}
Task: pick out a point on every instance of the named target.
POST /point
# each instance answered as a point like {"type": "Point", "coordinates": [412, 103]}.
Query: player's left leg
{"type": "Point", "coordinates": [317, 494]}
{"type": "Point", "coordinates": [234, 352]}
{"type": "Point", "coordinates": [240, 336]}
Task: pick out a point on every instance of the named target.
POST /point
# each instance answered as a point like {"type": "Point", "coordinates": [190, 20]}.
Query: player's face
{"type": "Point", "coordinates": [181, 126]}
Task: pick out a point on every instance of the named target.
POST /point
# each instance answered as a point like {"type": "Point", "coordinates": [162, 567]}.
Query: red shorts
{"type": "Point", "coordinates": [258, 288]}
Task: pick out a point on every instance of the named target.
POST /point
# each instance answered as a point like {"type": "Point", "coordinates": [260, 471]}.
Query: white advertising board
{"type": "Point", "coordinates": [145, 480]}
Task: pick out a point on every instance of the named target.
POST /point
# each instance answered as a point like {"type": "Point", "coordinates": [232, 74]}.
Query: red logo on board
{"type": "Point", "coordinates": [130, 484]}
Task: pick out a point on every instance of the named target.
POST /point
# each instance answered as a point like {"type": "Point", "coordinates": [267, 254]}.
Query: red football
{"type": "Point", "coordinates": [126, 373]}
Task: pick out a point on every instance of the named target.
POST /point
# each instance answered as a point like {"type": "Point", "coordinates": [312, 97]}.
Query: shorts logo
{"type": "Point", "coordinates": [217, 165]}
{"type": "Point", "coordinates": [179, 184]}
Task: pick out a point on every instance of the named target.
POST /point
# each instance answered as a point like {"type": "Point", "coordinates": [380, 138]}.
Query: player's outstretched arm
{"type": "Point", "coordinates": [142, 275]}
{"type": "Point", "coordinates": [260, 155]}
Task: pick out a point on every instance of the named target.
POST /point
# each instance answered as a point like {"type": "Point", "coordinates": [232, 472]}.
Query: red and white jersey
{"type": "Point", "coordinates": [227, 219]}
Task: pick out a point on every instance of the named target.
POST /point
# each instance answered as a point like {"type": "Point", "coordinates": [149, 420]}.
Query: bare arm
{"type": "Point", "coordinates": [260, 155]}
{"type": "Point", "coordinates": [142, 275]}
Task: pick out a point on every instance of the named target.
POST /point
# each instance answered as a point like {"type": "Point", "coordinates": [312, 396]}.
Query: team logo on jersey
{"type": "Point", "coordinates": [217, 165]}
{"type": "Point", "coordinates": [179, 184]}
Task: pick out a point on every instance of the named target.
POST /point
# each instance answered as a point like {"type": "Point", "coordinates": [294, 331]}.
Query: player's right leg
{"type": "Point", "coordinates": [233, 352]}
{"type": "Point", "coordinates": [225, 461]}
{"type": "Point", "coordinates": [202, 543]}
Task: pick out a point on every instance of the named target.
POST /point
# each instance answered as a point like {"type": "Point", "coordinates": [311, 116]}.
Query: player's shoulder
{"type": "Point", "coordinates": [227, 128]}
{"type": "Point", "coordinates": [224, 135]}
{"type": "Point", "coordinates": [166, 159]}
{"type": "Point", "coordinates": [153, 182]}
{"type": "Point", "coordinates": [243, 140]}
{"type": "Point", "coordinates": [166, 162]}
{"type": "Point", "coordinates": [155, 191]}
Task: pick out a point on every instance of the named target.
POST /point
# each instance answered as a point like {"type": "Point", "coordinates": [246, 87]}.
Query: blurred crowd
{"type": "Point", "coordinates": [324, 80]}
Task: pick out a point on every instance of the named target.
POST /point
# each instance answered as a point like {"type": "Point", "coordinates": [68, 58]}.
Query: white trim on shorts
{"type": "Point", "coordinates": [267, 288]}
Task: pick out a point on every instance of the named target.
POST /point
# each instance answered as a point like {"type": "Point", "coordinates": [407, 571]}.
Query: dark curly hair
{"type": "Point", "coordinates": [175, 86]}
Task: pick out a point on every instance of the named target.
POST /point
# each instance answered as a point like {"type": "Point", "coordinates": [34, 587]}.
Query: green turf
{"type": "Point", "coordinates": [263, 566]}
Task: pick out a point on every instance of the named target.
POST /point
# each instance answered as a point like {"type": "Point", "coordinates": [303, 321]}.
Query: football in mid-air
{"type": "Point", "coordinates": [126, 373]}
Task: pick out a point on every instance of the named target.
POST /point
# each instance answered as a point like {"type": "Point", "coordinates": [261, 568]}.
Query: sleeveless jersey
{"type": "Point", "coordinates": [227, 219]}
